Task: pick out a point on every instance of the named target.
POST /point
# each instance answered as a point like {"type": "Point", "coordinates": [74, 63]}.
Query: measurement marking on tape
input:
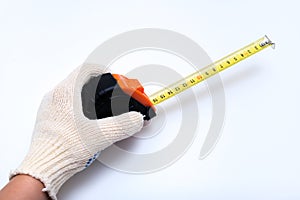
{"type": "Point", "coordinates": [210, 70]}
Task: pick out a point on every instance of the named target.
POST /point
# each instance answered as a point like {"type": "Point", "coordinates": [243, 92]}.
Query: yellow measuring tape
{"type": "Point", "coordinates": [210, 70]}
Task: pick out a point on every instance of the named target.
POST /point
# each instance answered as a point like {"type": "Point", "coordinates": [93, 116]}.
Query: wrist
{"type": "Point", "coordinates": [50, 162]}
{"type": "Point", "coordinates": [23, 187]}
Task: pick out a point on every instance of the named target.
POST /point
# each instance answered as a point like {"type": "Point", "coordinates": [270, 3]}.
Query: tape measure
{"type": "Point", "coordinates": [210, 70]}
{"type": "Point", "coordinates": [113, 94]}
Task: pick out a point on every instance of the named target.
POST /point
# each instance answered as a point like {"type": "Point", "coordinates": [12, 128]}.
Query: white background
{"type": "Point", "coordinates": [257, 156]}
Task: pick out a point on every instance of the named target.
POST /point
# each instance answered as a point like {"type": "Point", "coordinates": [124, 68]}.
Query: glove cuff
{"type": "Point", "coordinates": [50, 162]}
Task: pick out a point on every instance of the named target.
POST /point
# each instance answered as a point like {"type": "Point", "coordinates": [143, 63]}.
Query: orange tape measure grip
{"type": "Point", "coordinates": [110, 95]}
{"type": "Point", "coordinates": [133, 88]}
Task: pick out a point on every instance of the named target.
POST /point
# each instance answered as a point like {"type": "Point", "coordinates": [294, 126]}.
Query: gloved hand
{"type": "Point", "coordinates": [64, 141]}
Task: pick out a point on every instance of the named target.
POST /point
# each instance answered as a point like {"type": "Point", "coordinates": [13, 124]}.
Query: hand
{"type": "Point", "coordinates": [64, 141]}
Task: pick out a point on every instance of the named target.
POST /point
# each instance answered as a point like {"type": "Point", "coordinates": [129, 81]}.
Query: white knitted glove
{"type": "Point", "coordinates": [65, 141]}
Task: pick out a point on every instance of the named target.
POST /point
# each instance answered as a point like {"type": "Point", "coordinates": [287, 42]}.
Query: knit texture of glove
{"type": "Point", "coordinates": [64, 141]}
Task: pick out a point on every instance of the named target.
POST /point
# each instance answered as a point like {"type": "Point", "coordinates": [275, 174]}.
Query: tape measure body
{"type": "Point", "coordinates": [113, 94]}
